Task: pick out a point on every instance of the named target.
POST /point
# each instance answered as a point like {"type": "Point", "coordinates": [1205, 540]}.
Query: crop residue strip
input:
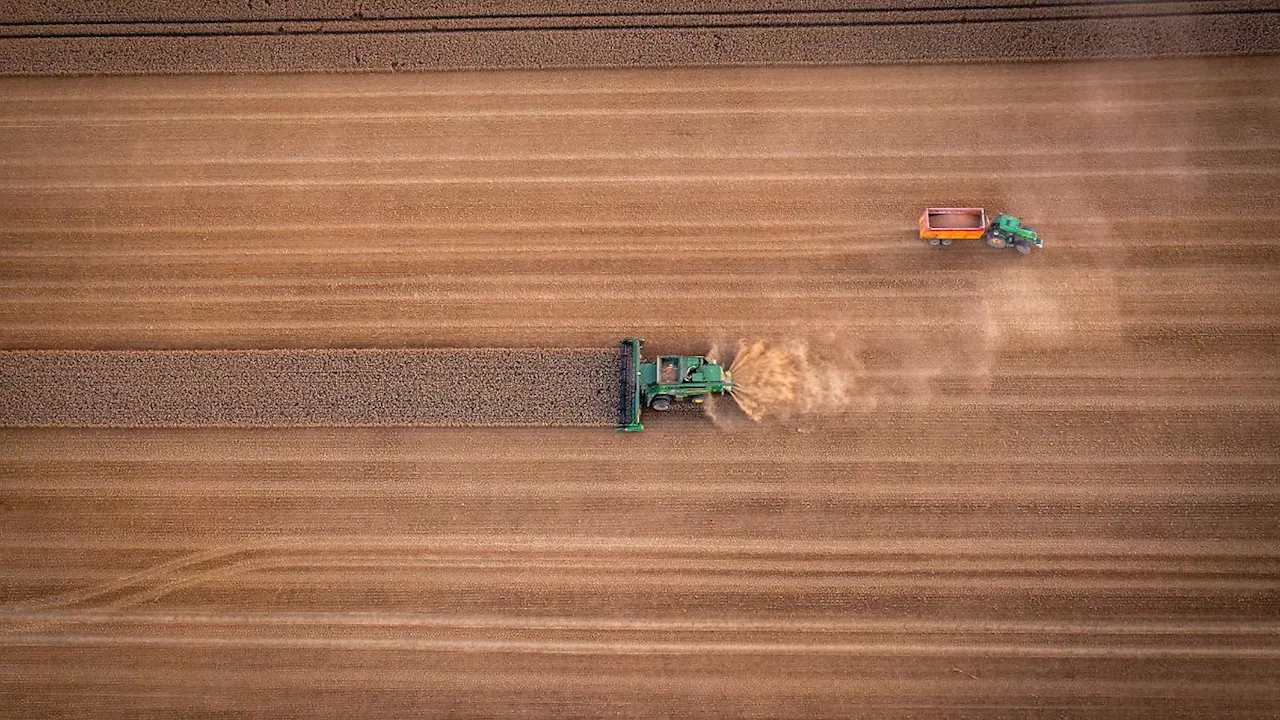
{"type": "Point", "coordinates": [273, 388]}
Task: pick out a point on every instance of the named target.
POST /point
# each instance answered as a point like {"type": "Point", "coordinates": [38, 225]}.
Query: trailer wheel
{"type": "Point", "coordinates": [661, 403]}
{"type": "Point", "coordinates": [996, 242]}
{"type": "Point", "coordinates": [946, 243]}
{"type": "Point", "coordinates": [935, 242]}
{"type": "Point", "coordinates": [1024, 248]}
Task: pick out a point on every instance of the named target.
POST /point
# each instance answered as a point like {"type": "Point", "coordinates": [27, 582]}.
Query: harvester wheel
{"type": "Point", "coordinates": [996, 242]}
{"type": "Point", "coordinates": [662, 402]}
{"type": "Point", "coordinates": [1024, 248]}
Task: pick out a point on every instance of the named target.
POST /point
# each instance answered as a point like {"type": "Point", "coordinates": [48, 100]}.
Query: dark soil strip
{"type": "Point", "coordinates": [140, 42]}
{"type": "Point", "coordinates": [535, 12]}
{"type": "Point", "coordinates": [269, 388]}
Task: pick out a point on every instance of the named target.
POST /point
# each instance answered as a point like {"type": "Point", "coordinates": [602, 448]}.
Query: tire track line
{"type": "Point", "coordinates": [708, 327]}
{"type": "Point", "coordinates": [364, 159]}
{"type": "Point", "coordinates": [56, 298]}
{"type": "Point", "coordinates": [607, 83]}
{"type": "Point", "coordinates": [959, 109]}
{"type": "Point", "coordinates": [614, 648]}
{"type": "Point", "coordinates": [668, 179]}
{"type": "Point", "coordinates": [914, 626]}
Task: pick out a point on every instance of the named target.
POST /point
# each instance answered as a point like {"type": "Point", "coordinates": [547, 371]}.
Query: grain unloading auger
{"type": "Point", "coordinates": [659, 383]}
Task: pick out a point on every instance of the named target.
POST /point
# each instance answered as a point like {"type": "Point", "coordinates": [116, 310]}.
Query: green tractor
{"type": "Point", "coordinates": [1007, 230]}
{"type": "Point", "coordinates": [660, 383]}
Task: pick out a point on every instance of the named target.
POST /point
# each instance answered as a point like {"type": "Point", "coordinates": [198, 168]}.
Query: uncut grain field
{"type": "Point", "coordinates": [1040, 486]}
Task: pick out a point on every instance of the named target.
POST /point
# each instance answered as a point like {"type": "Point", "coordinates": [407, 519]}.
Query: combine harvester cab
{"type": "Point", "coordinates": [660, 383]}
{"type": "Point", "coordinates": [942, 226]}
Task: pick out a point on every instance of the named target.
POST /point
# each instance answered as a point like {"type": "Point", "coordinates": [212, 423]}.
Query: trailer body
{"type": "Point", "coordinates": [940, 226]}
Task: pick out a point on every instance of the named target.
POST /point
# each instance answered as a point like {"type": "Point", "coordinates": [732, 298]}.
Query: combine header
{"type": "Point", "coordinates": [659, 383]}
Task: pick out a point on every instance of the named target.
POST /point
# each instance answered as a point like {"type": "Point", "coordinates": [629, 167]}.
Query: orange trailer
{"type": "Point", "coordinates": [942, 225]}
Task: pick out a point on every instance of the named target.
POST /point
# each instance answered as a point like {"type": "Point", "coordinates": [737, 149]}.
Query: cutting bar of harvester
{"type": "Point", "coordinates": [629, 385]}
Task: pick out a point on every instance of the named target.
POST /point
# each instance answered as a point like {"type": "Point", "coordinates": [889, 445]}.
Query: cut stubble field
{"type": "Point", "coordinates": [1015, 485]}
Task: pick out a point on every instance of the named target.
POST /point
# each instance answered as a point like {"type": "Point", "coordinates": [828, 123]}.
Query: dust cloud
{"type": "Point", "coordinates": [792, 377]}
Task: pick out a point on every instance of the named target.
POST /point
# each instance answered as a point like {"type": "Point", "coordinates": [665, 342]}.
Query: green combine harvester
{"type": "Point", "coordinates": [660, 383]}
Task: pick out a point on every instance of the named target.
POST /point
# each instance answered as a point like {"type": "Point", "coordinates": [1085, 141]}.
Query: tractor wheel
{"type": "Point", "coordinates": [996, 242]}
{"type": "Point", "coordinates": [662, 402]}
{"type": "Point", "coordinates": [1024, 248]}
{"type": "Point", "coordinates": [935, 242]}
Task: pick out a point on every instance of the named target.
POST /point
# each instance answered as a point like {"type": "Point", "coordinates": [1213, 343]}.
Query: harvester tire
{"type": "Point", "coordinates": [661, 403]}
{"type": "Point", "coordinates": [996, 242]}
{"type": "Point", "coordinates": [1024, 248]}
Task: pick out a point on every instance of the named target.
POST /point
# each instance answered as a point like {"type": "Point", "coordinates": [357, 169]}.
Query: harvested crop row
{"type": "Point", "coordinates": [270, 388]}
{"type": "Point", "coordinates": [758, 38]}
{"type": "Point", "coordinates": [30, 11]}
{"type": "Point", "coordinates": [209, 21]}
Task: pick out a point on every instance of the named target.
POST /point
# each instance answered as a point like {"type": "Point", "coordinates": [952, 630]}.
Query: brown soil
{"type": "Point", "coordinates": [1052, 490]}
{"type": "Point", "coordinates": [143, 36]}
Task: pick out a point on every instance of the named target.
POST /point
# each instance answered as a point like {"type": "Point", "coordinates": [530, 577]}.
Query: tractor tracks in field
{"type": "Point", "coordinates": [671, 566]}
